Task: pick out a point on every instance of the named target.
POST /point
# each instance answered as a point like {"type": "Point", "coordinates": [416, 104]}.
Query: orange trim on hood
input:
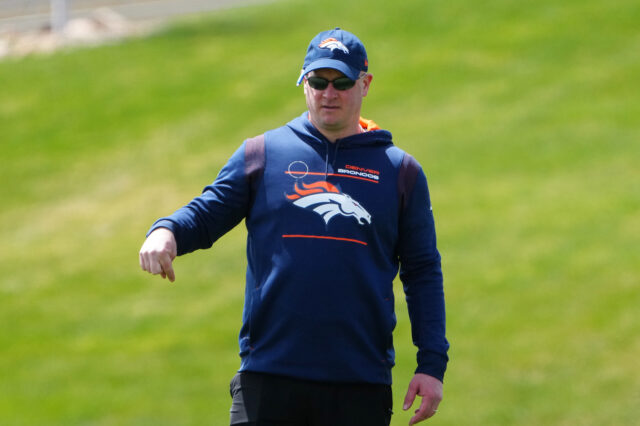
{"type": "Point", "coordinates": [368, 125]}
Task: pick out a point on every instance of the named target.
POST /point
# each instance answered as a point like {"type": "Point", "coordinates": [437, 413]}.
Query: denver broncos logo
{"type": "Point", "coordinates": [332, 43]}
{"type": "Point", "coordinates": [326, 200]}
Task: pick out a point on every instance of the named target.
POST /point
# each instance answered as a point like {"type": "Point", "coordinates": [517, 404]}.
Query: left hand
{"type": "Point", "coordinates": [430, 389]}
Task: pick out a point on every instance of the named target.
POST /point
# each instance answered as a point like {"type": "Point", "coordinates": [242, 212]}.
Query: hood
{"type": "Point", "coordinates": [372, 136]}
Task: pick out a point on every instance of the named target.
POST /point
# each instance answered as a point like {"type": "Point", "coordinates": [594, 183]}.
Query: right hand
{"type": "Point", "coordinates": [157, 253]}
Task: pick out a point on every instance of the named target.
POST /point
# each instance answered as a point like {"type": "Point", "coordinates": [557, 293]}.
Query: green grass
{"type": "Point", "coordinates": [524, 115]}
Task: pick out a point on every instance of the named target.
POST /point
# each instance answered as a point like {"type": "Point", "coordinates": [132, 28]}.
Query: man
{"type": "Point", "coordinates": [332, 210]}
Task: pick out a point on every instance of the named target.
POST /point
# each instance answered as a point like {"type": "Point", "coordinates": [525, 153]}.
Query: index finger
{"type": "Point", "coordinates": [167, 268]}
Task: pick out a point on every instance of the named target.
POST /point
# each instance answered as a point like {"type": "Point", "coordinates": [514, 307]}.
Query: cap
{"type": "Point", "coordinates": [337, 49]}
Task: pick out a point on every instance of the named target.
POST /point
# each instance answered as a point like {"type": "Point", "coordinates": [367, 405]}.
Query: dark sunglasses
{"type": "Point", "coordinates": [342, 83]}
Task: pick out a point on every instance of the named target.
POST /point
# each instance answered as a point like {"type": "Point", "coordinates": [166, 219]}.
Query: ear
{"type": "Point", "coordinates": [366, 83]}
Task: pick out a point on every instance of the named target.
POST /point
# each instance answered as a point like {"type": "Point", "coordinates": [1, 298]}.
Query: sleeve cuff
{"type": "Point", "coordinates": [432, 364]}
{"type": "Point", "coordinates": [163, 223]}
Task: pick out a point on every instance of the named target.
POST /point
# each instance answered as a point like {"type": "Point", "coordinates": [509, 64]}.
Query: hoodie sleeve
{"type": "Point", "coordinates": [421, 276]}
{"type": "Point", "coordinates": [220, 207]}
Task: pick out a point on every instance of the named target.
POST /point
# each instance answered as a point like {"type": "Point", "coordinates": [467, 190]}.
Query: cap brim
{"type": "Point", "coordinates": [345, 69]}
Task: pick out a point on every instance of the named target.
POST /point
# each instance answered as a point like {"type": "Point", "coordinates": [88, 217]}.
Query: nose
{"type": "Point", "coordinates": [330, 91]}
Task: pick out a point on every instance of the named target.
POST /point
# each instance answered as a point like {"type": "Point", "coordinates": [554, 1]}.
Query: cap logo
{"type": "Point", "coordinates": [332, 43]}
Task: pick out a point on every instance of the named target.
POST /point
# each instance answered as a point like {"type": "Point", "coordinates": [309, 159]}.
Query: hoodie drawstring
{"type": "Point", "coordinates": [335, 156]}
{"type": "Point", "coordinates": [326, 164]}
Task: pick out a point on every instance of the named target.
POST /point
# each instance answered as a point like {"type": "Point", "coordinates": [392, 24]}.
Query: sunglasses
{"type": "Point", "coordinates": [342, 83]}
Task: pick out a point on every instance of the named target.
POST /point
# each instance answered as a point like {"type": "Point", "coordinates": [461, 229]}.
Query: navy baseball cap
{"type": "Point", "coordinates": [337, 49]}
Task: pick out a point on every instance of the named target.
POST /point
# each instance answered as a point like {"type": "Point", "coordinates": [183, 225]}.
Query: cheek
{"type": "Point", "coordinates": [314, 97]}
{"type": "Point", "coordinates": [308, 96]}
{"type": "Point", "coordinates": [351, 99]}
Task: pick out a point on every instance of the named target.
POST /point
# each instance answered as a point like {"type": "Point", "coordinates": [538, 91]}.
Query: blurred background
{"type": "Point", "coordinates": [523, 114]}
{"type": "Point", "coordinates": [39, 14]}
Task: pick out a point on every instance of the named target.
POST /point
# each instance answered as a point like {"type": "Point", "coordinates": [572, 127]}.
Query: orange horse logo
{"type": "Point", "coordinates": [326, 200]}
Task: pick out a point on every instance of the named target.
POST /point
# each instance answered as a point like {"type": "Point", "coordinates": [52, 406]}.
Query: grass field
{"type": "Point", "coordinates": [525, 115]}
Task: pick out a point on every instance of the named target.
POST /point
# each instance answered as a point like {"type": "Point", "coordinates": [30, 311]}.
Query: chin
{"type": "Point", "coordinates": [331, 120]}
{"type": "Point", "coordinates": [332, 125]}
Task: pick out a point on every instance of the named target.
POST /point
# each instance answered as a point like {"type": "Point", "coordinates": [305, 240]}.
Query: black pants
{"type": "Point", "coordinates": [268, 400]}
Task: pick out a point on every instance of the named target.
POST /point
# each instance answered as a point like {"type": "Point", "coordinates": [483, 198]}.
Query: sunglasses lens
{"type": "Point", "coordinates": [318, 83]}
{"type": "Point", "coordinates": [343, 83]}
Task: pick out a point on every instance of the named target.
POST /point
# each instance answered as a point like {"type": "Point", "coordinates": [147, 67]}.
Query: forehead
{"type": "Point", "coordinates": [328, 73]}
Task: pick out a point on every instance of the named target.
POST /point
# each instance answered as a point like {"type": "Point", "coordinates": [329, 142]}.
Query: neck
{"type": "Point", "coordinates": [333, 135]}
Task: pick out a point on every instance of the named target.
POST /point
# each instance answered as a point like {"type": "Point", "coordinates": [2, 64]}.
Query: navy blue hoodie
{"type": "Point", "coordinates": [329, 226]}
